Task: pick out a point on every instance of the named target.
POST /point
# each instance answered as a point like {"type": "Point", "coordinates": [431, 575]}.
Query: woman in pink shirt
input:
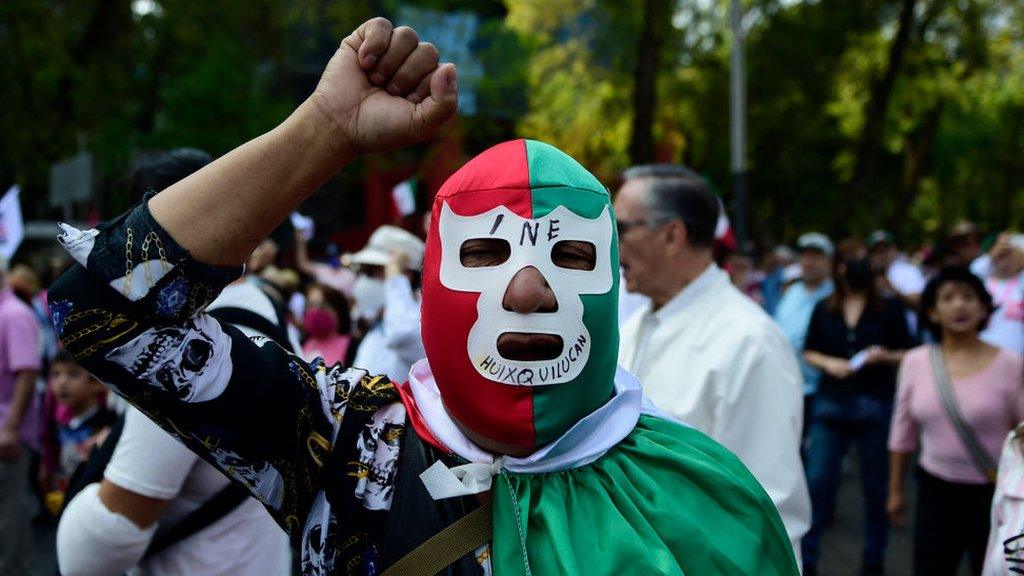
{"type": "Point", "coordinates": [954, 492]}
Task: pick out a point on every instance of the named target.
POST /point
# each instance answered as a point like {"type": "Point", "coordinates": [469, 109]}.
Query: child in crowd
{"type": "Point", "coordinates": [72, 439]}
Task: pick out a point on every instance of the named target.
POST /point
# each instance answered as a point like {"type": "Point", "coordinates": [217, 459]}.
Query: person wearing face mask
{"type": "Point", "coordinates": [327, 324]}
{"type": "Point", "coordinates": [856, 338]}
{"type": "Point", "coordinates": [515, 447]}
{"type": "Point", "coordinates": [957, 400]}
{"type": "Point", "coordinates": [386, 300]}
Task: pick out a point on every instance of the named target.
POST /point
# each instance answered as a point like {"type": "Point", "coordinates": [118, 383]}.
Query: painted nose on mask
{"type": "Point", "coordinates": [529, 292]}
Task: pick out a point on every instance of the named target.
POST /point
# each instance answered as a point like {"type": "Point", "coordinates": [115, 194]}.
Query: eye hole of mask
{"type": "Point", "coordinates": [574, 254]}
{"type": "Point", "coordinates": [484, 252]}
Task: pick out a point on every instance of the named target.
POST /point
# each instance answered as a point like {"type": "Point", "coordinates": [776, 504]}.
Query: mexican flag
{"type": "Point", "coordinates": [403, 199]}
{"type": "Point", "coordinates": [12, 229]}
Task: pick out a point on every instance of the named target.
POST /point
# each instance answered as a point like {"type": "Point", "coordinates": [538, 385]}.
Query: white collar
{"type": "Point", "coordinates": [691, 292]}
{"type": "Point", "coordinates": [582, 444]}
{"type": "Point", "coordinates": [77, 421]}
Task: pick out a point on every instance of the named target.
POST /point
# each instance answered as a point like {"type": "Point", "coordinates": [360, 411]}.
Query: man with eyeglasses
{"type": "Point", "coordinates": [705, 353]}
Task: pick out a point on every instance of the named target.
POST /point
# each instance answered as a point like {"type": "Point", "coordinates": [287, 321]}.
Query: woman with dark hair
{"type": "Point", "coordinates": [327, 323]}
{"type": "Point", "coordinates": [856, 337]}
{"type": "Point", "coordinates": [957, 401]}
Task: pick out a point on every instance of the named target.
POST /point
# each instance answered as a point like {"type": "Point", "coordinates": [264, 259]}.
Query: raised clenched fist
{"type": "Point", "coordinates": [384, 88]}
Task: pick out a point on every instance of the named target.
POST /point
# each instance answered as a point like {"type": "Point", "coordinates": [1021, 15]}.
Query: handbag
{"type": "Point", "coordinates": [982, 460]}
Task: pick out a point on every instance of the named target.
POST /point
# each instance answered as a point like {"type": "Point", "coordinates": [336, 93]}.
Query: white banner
{"type": "Point", "coordinates": [404, 197]}
{"type": "Point", "coordinates": [12, 229]}
{"type": "Point", "coordinates": [303, 224]}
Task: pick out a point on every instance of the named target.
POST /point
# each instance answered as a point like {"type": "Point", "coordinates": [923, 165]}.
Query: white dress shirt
{"type": "Point", "coordinates": [713, 359]}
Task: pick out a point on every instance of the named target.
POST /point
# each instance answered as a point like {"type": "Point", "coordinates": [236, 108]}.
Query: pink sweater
{"type": "Point", "coordinates": [991, 402]}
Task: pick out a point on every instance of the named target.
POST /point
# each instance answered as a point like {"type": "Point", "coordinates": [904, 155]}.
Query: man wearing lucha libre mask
{"type": "Point", "coordinates": [518, 406]}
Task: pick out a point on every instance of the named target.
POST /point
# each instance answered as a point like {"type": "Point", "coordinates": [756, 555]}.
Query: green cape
{"type": "Point", "coordinates": [665, 500]}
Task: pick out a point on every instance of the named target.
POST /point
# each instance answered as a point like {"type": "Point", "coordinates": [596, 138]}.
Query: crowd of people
{"type": "Point", "coordinates": [914, 356]}
{"type": "Point", "coordinates": [908, 355]}
{"type": "Point", "coordinates": [866, 333]}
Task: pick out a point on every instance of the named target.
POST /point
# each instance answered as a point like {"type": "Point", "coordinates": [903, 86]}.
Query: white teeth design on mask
{"type": "Point", "coordinates": [531, 241]}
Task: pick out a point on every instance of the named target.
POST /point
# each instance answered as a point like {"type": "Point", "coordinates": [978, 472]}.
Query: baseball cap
{"type": "Point", "coordinates": [964, 228]}
{"type": "Point", "coordinates": [880, 237]}
{"type": "Point", "coordinates": [816, 241]}
{"type": "Point", "coordinates": [377, 251]}
{"type": "Point", "coordinates": [1017, 241]}
{"type": "Point", "coordinates": [784, 252]}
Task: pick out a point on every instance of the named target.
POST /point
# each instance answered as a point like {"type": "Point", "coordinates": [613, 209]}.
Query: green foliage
{"type": "Point", "coordinates": [103, 76]}
{"type": "Point", "coordinates": [952, 133]}
{"type": "Point", "coordinates": [99, 75]}
{"type": "Point", "coordinates": [221, 101]}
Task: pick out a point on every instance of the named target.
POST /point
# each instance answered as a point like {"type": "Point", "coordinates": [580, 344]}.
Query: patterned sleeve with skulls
{"type": "Point", "coordinates": [131, 312]}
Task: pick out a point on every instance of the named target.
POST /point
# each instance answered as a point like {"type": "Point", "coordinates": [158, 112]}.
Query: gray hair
{"type": "Point", "coordinates": [678, 193]}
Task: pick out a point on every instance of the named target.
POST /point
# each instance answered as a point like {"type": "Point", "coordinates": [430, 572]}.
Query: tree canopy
{"type": "Point", "coordinates": [902, 114]}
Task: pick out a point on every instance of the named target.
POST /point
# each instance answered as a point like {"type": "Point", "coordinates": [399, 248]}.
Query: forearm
{"type": "Point", "coordinates": [220, 213]}
{"type": "Point", "coordinates": [817, 359]}
{"type": "Point", "coordinates": [24, 384]}
{"type": "Point", "coordinates": [302, 261]}
{"type": "Point", "coordinates": [893, 357]}
{"type": "Point", "coordinates": [143, 511]}
{"type": "Point", "coordinates": [897, 470]}
{"type": "Point", "coordinates": [401, 316]}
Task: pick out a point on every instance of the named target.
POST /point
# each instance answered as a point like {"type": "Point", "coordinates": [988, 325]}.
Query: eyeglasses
{"type": "Point", "coordinates": [623, 226]}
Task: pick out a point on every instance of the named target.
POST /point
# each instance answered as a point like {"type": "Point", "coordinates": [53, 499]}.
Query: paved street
{"type": "Point", "coordinates": [842, 543]}
{"type": "Point", "coordinates": [841, 546]}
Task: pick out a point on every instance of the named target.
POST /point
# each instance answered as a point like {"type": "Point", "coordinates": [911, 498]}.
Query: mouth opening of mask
{"type": "Point", "coordinates": [529, 346]}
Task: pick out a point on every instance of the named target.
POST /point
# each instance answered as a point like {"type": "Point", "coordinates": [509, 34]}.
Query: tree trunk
{"type": "Point", "coordinates": [917, 151]}
{"type": "Point", "coordinates": [876, 108]}
{"type": "Point", "coordinates": [918, 145]}
{"type": "Point", "coordinates": [1012, 181]}
{"type": "Point", "coordinates": [108, 24]}
{"type": "Point", "coordinates": [645, 79]}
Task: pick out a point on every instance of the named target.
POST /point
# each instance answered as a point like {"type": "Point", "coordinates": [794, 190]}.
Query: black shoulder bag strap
{"type": "Point", "coordinates": [981, 458]}
{"type": "Point", "coordinates": [91, 470]}
{"type": "Point", "coordinates": [220, 505]}
{"type": "Point", "coordinates": [248, 319]}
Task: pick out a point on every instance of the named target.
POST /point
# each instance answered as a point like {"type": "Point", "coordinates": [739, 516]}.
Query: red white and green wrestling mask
{"type": "Point", "coordinates": [529, 197]}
